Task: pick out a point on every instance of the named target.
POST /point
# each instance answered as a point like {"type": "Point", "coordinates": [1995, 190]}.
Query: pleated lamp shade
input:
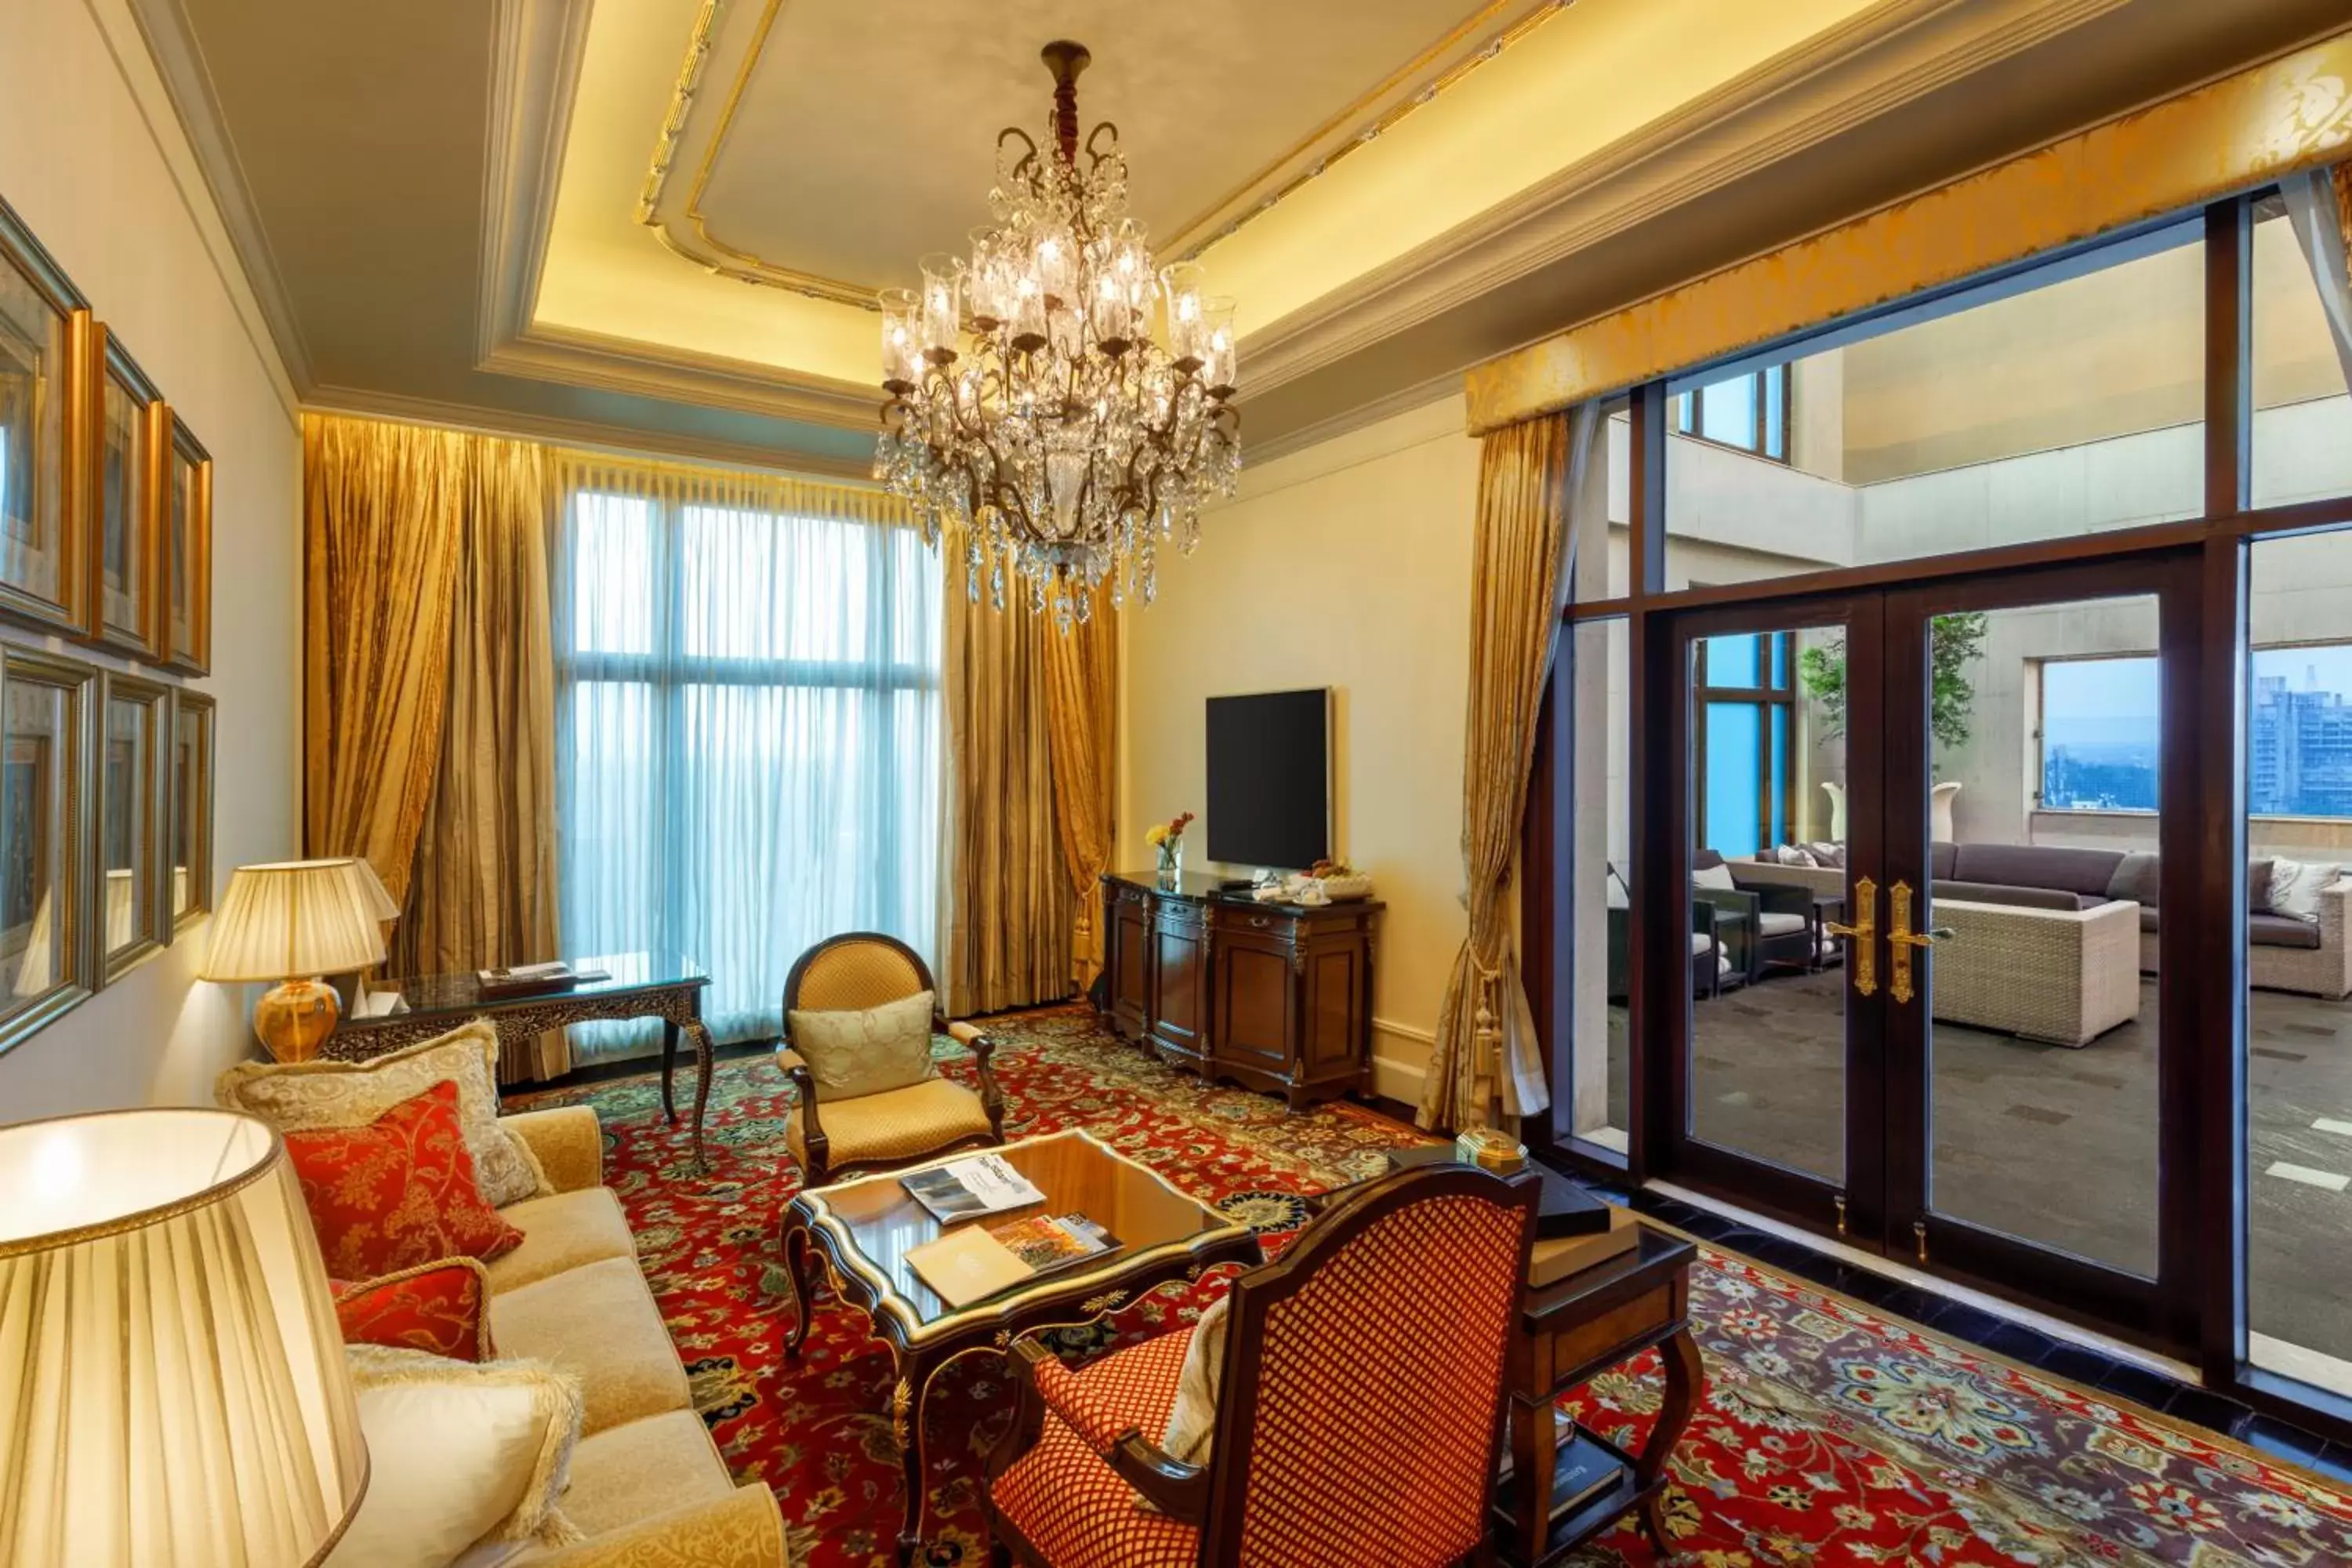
{"type": "Point", "coordinates": [299, 917]}
{"type": "Point", "coordinates": [172, 1389]}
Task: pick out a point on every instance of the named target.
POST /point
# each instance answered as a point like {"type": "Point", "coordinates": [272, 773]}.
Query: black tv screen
{"type": "Point", "coordinates": [1270, 779]}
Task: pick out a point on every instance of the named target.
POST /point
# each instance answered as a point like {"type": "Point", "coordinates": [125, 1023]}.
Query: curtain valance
{"type": "Point", "coordinates": [2264, 124]}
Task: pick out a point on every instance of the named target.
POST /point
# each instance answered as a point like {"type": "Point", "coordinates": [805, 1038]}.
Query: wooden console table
{"type": "Point", "coordinates": [643, 986]}
{"type": "Point", "coordinates": [1278, 997]}
{"type": "Point", "coordinates": [1571, 1331]}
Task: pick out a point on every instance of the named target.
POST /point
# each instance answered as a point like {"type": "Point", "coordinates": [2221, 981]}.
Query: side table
{"type": "Point", "coordinates": [1569, 1331]}
{"type": "Point", "coordinates": [641, 986]}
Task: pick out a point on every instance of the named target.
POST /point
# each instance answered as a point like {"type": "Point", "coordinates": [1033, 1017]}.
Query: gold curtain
{"type": "Point", "coordinates": [383, 510]}
{"type": "Point", "coordinates": [484, 890]}
{"type": "Point", "coordinates": [1487, 1047]}
{"type": "Point", "coordinates": [1005, 940]}
{"type": "Point", "coordinates": [1081, 699]}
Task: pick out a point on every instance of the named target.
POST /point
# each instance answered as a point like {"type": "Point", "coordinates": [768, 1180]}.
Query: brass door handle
{"type": "Point", "coordinates": [1864, 936]}
{"type": "Point", "coordinates": [1903, 942]}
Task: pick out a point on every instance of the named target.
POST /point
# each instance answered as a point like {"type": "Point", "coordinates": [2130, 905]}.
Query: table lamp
{"type": "Point", "coordinates": [173, 1388]}
{"type": "Point", "coordinates": [292, 922]}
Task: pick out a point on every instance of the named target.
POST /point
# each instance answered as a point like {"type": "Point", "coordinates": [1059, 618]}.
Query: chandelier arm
{"type": "Point", "coordinates": [1027, 162]}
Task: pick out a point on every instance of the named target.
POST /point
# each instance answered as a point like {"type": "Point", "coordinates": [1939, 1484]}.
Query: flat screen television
{"type": "Point", "coordinates": [1270, 779]}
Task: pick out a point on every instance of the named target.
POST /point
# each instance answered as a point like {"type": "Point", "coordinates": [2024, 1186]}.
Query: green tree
{"type": "Point", "coordinates": [1955, 642]}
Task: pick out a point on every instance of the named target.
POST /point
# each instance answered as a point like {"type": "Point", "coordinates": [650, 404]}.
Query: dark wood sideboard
{"type": "Point", "coordinates": [1276, 997]}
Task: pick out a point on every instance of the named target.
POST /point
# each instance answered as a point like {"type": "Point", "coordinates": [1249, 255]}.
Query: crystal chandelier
{"type": "Point", "coordinates": [1058, 403]}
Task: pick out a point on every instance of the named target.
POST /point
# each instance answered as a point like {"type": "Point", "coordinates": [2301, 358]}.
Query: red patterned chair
{"type": "Point", "coordinates": [1361, 1403]}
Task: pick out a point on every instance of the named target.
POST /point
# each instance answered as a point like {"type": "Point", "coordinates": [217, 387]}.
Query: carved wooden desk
{"type": "Point", "coordinates": [643, 986]}
{"type": "Point", "coordinates": [1571, 1331]}
{"type": "Point", "coordinates": [861, 1232]}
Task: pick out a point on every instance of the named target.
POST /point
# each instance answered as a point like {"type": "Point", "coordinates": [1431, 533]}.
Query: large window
{"type": "Point", "coordinates": [1749, 412]}
{"type": "Point", "coordinates": [2099, 734]}
{"type": "Point", "coordinates": [746, 738]}
{"type": "Point", "coordinates": [1745, 701]}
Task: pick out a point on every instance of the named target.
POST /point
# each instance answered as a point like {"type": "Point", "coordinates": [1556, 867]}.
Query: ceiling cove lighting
{"type": "Point", "coordinates": [1060, 405]}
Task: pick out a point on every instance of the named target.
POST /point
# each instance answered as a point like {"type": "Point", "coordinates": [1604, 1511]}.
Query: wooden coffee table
{"type": "Point", "coordinates": [862, 1230]}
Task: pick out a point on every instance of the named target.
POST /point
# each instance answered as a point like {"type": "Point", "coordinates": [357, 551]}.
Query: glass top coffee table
{"type": "Point", "coordinates": [863, 1229]}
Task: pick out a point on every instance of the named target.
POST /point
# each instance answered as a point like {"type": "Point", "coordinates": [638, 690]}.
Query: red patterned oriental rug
{"type": "Point", "coordinates": [1830, 1435]}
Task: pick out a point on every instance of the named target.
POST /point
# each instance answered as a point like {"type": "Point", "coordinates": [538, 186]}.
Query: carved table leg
{"type": "Point", "coordinates": [907, 1427]}
{"type": "Point", "coordinates": [670, 1064]}
{"type": "Point", "coordinates": [796, 1260]}
{"type": "Point", "coordinates": [1685, 1373]}
{"type": "Point", "coordinates": [702, 1064]}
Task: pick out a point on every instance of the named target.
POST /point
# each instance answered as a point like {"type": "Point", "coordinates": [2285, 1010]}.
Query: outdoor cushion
{"type": "Point", "coordinates": [2031, 897]}
{"type": "Point", "coordinates": [1777, 925]}
{"type": "Point", "coordinates": [2137, 879]}
{"type": "Point", "coordinates": [2259, 875]}
{"type": "Point", "coordinates": [2282, 931]}
{"type": "Point", "coordinates": [2038, 866]}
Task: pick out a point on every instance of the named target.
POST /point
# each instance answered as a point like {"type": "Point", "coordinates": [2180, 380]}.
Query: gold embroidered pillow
{"type": "Point", "coordinates": [303, 1097]}
{"type": "Point", "coordinates": [852, 1054]}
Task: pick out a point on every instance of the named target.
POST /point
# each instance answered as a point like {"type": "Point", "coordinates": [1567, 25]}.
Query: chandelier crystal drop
{"type": "Point", "coordinates": [1060, 405]}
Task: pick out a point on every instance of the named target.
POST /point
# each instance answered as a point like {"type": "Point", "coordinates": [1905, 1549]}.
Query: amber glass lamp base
{"type": "Point", "coordinates": [295, 1018]}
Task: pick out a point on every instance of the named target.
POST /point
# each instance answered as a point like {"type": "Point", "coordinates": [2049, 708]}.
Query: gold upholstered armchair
{"type": "Point", "coordinates": [856, 1046]}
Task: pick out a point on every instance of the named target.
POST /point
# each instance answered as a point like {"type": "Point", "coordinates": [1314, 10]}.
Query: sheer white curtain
{"type": "Point", "coordinates": [747, 727]}
{"type": "Point", "coordinates": [2323, 231]}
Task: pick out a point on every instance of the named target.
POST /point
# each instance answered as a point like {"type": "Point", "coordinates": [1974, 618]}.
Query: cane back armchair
{"type": "Point", "coordinates": [1361, 1401]}
{"type": "Point", "coordinates": [842, 1137]}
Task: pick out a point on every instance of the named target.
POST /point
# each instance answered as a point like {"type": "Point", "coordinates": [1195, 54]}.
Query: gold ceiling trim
{"type": "Point", "coordinates": [729, 260]}
{"type": "Point", "coordinates": [2260, 124]}
{"type": "Point", "coordinates": [1381, 126]}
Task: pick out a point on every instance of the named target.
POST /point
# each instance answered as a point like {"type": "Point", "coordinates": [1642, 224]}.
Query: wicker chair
{"type": "Point", "coordinates": [1360, 1404]}
{"type": "Point", "coordinates": [873, 1132]}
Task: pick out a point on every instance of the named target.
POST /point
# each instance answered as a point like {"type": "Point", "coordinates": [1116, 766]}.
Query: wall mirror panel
{"type": "Point", "coordinates": [44, 328]}
{"type": "Point", "coordinates": [131, 431]}
{"type": "Point", "coordinates": [190, 806]}
{"type": "Point", "coordinates": [46, 959]}
{"type": "Point", "coordinates": [132, 821]}
{"type": "Point", "coordinates": [187, 551]}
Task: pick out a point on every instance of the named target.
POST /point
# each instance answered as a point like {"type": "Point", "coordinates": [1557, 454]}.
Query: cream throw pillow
{"type": "Point", "coordinates": [2295, 887]}
{"type": "Point", "coordinates": [298, 1096]}
{"type": "Point", "coordinates": [853, 1055]}
{"type": "Point", "coordinates": [1192, 1423]}
{"type": "Point", "coordinates": [459, 1453]}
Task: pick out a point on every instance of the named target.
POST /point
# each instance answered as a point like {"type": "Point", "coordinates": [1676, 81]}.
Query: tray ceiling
{"type": "Point", "coordinates": [788, 115]}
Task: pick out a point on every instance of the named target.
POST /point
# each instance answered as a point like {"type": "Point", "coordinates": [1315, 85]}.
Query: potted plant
{"type": "Point", "coordinates": [1954, 643]}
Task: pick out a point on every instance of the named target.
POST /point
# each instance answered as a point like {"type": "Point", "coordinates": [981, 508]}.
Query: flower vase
{"type": "Point", "coordinates": [1172, 863]}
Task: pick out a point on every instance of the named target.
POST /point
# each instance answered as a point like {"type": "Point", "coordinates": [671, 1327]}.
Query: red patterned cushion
{"type": "Point", "coordinates": [1062, 1496]}
{"type": "Point", "coordinates": [442, 1308]}
{"type": "Point", "coordinates": [386, 1197]}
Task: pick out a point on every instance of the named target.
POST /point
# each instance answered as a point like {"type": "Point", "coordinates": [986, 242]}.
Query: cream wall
{"type": "Point", "coordinates": [1346, 565]}
{"type": "Point", "coordinates": [93, 159]}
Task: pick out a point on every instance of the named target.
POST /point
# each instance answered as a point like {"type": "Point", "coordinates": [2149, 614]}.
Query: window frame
{"type": "Point", "coordinates": [1690, 414]}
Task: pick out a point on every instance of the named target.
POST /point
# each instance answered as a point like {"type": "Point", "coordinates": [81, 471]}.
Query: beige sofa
{"type": "Point", "coordinates": [647, 1483]}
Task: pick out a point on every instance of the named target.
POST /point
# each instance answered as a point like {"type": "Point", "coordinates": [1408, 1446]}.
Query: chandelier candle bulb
{"type": "Point", "coordinates": [1034, 414]}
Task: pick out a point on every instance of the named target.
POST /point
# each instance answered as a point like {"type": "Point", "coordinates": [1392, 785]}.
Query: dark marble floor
{"type": "Point", "coordinates": [2019, 1343]}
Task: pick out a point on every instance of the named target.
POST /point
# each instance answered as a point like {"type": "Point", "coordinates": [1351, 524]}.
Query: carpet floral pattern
{"type": "Point", "coordinates": [1828, 1435]}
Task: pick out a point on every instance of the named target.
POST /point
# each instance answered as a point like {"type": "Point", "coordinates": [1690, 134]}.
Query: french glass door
{"type": "Point", "coordinates": [1920, 853]}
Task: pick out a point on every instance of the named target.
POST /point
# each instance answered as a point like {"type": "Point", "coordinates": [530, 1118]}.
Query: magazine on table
{"type": "Point", "coordinates": [971, 1187]}
{"type": "Point", "coordinates": [972, 1263]}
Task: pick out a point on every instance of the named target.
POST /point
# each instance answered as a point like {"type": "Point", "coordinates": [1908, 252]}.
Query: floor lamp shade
{"type": "Point", "coordinates": [172, 1388]}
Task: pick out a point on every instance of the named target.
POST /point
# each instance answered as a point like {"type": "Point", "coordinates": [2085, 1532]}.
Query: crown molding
{"type": "Point", "coordinates": [535, 53]}
{"type": "Point", "coordinates": [1420, 395]}
{"type": "Point", "coordinates": [1876, 62]}
{"type": "Point", "coordinates": [582, 433]}
{"type": "Point", "coordinates": [187, 80]}
{"type": "Point", "coordinates": [607, 363]}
